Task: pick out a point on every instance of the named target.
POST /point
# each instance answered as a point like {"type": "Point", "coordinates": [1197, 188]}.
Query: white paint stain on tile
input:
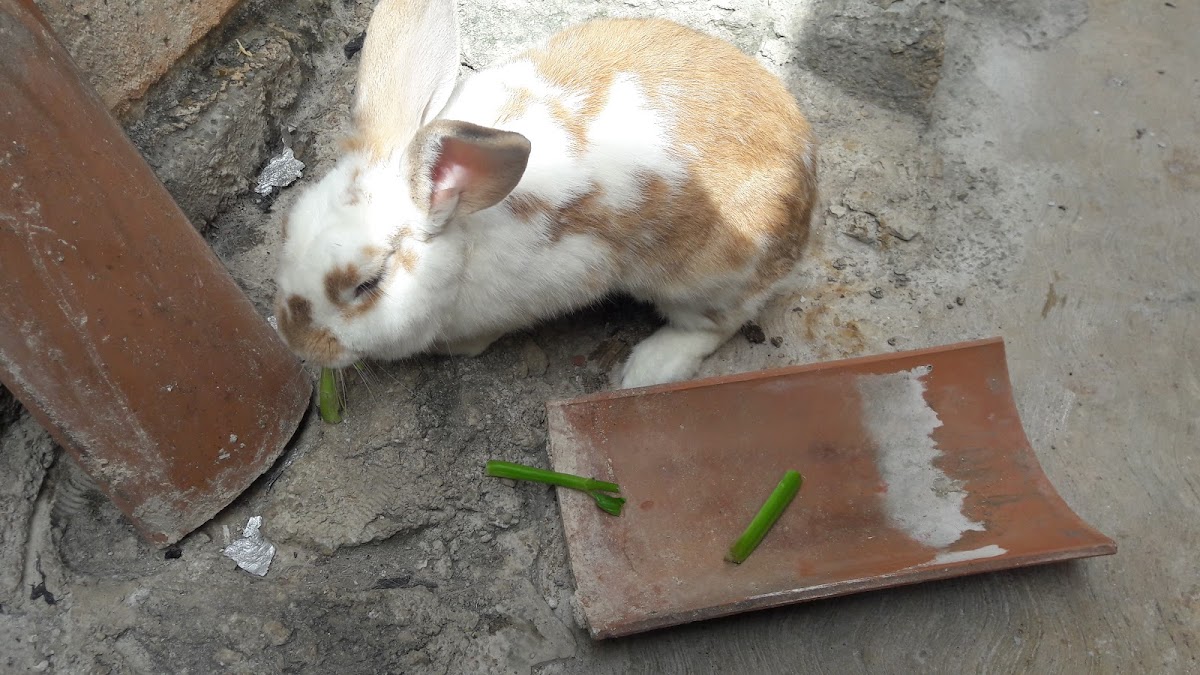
{"type": "Point", "coordinates": [920, 499]}
{"type": "Point", "coordinates": [989, 551]}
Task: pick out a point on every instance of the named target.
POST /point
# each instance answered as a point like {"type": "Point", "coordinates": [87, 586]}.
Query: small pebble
{"type": "Point", "coordinates": [276, 632]}
{"type": "Point", "coordinates": [227, 657]}
{"type": "Point", "coordinates": [355, 45]}
{"type": "Point", "coordinates": [960, 301]}
{"type": "Point", "coordinates": [754, 333]}
{"type": "Point", "coordinates": [876, 292]}
{"type": "Point", "coordinates": [776, 341]}
{"type": "Point", "coordinates": [138, 597]}
{"type": "Point", "coordinates": [892, 341]}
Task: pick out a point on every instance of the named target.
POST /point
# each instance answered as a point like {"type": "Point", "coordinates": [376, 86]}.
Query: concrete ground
{"type": "Point", "coordinates": [1023, 169]}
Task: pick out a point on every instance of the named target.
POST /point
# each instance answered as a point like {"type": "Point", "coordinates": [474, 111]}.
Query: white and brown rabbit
{"type": "Point", "coordinates": [624, 155]}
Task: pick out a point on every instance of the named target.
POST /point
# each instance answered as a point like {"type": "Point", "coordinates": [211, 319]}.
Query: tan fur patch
{"type": "Point", "coordinates": [400, 236]}
{"type": "Point", "coordinates": [515, 106]}
{"type": "Point", "coordinates": [405, 256]}
{"type": "Point", "coordinates": [354, 193]}
{"type": "Point", "coordinates": [352, 142]}
{"type": "Point", "coordinates": [375, 148]}
{"type": "Point", "coordinates": [295, 324]}
{"type": "Point", "coordinates": [575, 124]}
{"type": "Point", "coordinates": [747, 200]}
{"type": "Point", "coordinates": [673, 236]}
{"type": "Point", "coordinates": [527, 207]}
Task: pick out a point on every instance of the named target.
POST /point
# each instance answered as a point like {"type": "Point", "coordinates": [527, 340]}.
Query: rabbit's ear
{"type": "Point", "coordinates": [409, 69]}
{"type": "Point", "coordinates": [457, 168]}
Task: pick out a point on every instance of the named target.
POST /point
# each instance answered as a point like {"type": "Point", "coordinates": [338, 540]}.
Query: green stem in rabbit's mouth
{"type": "Point", "coordinates": [330, 398]}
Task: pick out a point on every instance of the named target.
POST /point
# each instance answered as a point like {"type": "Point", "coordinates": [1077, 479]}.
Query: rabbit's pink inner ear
{"type": "Point", "coordinates": [449, 181]}
{"type": "Point", "coordinates": [475, 167]}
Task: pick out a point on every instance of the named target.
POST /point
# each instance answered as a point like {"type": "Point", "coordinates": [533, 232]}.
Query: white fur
{"type": "Point", "coordinates": [670, 354]}
{"type": "Point", "coordinates": [626, 139]}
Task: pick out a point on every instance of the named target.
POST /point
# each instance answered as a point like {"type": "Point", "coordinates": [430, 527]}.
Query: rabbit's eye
{"type": "Point", "coordinates": [367, 286]}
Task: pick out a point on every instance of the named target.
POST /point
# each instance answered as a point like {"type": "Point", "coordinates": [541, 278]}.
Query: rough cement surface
{"type": "Point", "coordinates": [1024, 169]}
{"type": "Point", "coordinates": [125, 47]}
{"type": "Point", "coordinates": [209, 125]}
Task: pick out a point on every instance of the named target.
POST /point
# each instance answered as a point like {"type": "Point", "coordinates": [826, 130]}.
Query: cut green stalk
{"type": "Point", "coordinates": [608, 503]}
{"type": "Point", "coordinates": [783, 495]}
{"type": "Point", "coordinates": [596, 488]}
{"type": "Point", "coordinates": [567, 480]}
{"type": "Point", "coordinates": [330, 400]}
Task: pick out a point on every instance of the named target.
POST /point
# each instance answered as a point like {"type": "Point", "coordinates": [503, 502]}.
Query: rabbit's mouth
{"type": "Point", "coordinates": [345, 359]}
{"type": "Point", "coordinates": [312, 343]}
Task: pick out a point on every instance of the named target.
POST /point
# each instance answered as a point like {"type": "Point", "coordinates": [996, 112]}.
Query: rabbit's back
{"type": "Point", "coordinates": [683, 158]}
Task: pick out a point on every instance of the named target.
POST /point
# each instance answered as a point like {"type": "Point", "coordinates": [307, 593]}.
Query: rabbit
{"type": "Point", "coordinates": [632, 156]}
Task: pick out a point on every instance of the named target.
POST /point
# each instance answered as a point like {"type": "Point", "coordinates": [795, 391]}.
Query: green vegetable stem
{"type": "Point", "coordinates": [598, 489]}
{"type": "Point", "coordinates": [767, 515]}
{"type": "Point", "coordinates": [330, 401]}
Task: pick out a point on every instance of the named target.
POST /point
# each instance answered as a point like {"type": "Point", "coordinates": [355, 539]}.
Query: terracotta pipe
{"type": "Point", "coordinates": [120, 330]}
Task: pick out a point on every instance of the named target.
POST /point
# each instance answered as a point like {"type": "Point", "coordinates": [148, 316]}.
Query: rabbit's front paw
{"type": "Point", "coordinates": [670, 355]}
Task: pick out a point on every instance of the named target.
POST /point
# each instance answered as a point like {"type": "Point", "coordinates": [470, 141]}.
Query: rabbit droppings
{"type": "Point", "coordinates": [622, 155]}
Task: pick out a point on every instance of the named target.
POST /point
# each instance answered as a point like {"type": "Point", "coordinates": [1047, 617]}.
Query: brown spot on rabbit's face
{"type": "Point", "coordinates": [298, 312]}
{"type": "Point", "coordinates": [310, 343]}
{"type": "Point", "coordinates": [341, 284]}
{"type": "Point", "coordinates": [400, 236]}
{"type": "Point", "coordinates": [406, 259]}
{"type": "Point", "coordinates": [404, 256]}
{"type": "Point", "coordinates": [339, 281]}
